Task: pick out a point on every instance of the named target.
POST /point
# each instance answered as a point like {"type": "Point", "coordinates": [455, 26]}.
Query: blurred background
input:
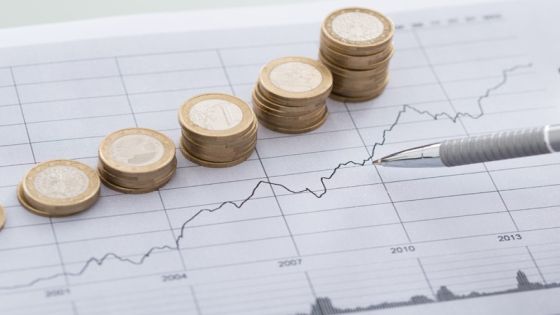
{"type": "Point", "coordinates": [14, 13]}
{"type": "Point", "coordinates": [26, 12]}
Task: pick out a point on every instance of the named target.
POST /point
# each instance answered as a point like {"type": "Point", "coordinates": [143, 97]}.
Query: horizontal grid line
{"type": "Point", "coordinates": [211, 49]}
{"type": "Point", "coordinates": [287, 235]}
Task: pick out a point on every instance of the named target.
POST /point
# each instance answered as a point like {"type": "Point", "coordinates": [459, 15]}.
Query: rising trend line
{"type": "Point", "coordinates": [404, 109]}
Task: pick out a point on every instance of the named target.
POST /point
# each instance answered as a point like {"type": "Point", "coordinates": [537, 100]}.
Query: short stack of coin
{"type": "Point", "coordinates": [59, 188]}
{"type": "Point", "coordinates": [356, 46]}
{"type": "Point", "coordinates": [136, 160]}
{"type": "Point", "coordinates": [218, 130]}
{"type": "Point", "coordinates": [291, 93]}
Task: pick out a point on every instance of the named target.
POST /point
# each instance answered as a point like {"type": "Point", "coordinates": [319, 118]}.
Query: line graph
{"type": "Point", "coordinates": [317, 194]}
{"type": "Point", "coordinates": [307, 225]}
{"type": "Point", "coordinates": [324, 305]}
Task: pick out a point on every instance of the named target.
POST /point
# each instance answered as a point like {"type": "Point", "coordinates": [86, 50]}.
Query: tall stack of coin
{"type": "Point", "coordinates": [218, 130]}
{"type": "Point", "coordinates": [136, 160]}
{"type": "Point", "coordinates": [356, 46]}
{"type": "Point", "coordinates": [59, 188]}
{"type": "Point", "coordinates": [290, 95]}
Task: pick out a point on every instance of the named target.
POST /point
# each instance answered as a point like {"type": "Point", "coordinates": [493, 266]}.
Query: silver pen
{"type": "Point", "coordinates": [477, 149]}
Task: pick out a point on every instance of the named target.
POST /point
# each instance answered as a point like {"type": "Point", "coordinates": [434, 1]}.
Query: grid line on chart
{"type": "Point", "coordinates": [297, 272]}
{"type": "Point", "coordinates": [379, 175]}
{"type": "Point", "coordinates": [162, 203]}
{"type": "Point", "coordinates": [233, 47]}
{"type": "Point", "coordinates": [296, 248]}
{"type": "Point", "coordinates": [536, 265]}
{"type": "Point", "coordinates": [244, 66]}
{"type": "Point", "coordinates": [272, 137]}
{"type": "Point", "coordinates": [52, 228]}
{"type": "Point", "coordinates": [329, 209]}
{"type": "Point", "coordinates": [316, 254]}
{"type": "Point", "coordinates": [268, 179]}
{"type": "Point", "coordinates": [451, 103]}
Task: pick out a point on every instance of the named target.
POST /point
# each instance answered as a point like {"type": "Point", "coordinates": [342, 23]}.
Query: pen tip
{"type": "Point", "coordinates": [377, 162]}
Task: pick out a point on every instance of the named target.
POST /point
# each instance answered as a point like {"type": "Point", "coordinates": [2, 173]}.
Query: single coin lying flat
{"type": "Point", "coordinates": [59, 188]}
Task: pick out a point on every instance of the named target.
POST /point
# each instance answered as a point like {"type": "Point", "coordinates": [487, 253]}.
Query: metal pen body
{"type": "Point", "coordinates": [477, 149]}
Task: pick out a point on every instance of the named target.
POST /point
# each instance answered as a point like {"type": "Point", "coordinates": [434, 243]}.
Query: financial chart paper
{"type": "Point", "coordinates": [307, 225]}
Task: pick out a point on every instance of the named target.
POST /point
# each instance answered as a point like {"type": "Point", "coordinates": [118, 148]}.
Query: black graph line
{"type": "Point", "coordinates": [325, 306]}
{"type": "Point", "coordinates": [317, 194]}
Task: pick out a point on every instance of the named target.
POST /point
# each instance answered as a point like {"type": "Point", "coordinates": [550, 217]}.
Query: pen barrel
{"type": "Point", "coordinates": [498, 146]}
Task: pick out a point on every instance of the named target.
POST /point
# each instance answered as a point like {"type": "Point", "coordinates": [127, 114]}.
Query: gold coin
{"type": "Point", "coordinates": [291, 103]}
{"type": "Point", "coordinates": [358, 98]}
{"type": "Point", "coordinates": [216, 115]}
{"type": "Point", "coordinates": [206, 163]}
{"type": "Point", "coordinates": [218, 130]}
{"type": "Point", "coordinates": [141, 177]}
{"type": "Point", "coordinates": [355, 62]}
{"type": "Point", "coordinates": [232, 148]}
{"type": "Point", "coordinates": [295, 78]}
{"type": "Point", "coordinates": [26, 205]}
{"type": "Point", "coordinates": [154, 182]}
{"type": "Point", "coordinates": [357, 88]}
{"type": "Point", "coordinates": [2, 217]}
{"type": "Point", "coordinates": [127, 190]}
{"type": "Point", "coordinates": [290, 130]}
{"type": "Point", "coordinates": [60, 187]}
{"type": "Point", "coordinates": [136, 151]}
{"type": "Point", "coordinates": [289, 122]}
{"type": "Point", "coordinates": [351, 50]}
{"type": "Point", "coordinates": [337, 70]}
{"type": "Point", "coordinates": [296, 118]}
{"type": "Point", "coordinates": [286, 110]}
{"type": "Point", "coordinates": [219, 155]}
{"type": "Point", "coordinates": [357, 31]}
{"type": "Point", "coordinates": [226, 142]}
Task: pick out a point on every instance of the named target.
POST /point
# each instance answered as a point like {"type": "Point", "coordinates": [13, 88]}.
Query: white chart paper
{"type": "Point", "coordinates": [307, 225]}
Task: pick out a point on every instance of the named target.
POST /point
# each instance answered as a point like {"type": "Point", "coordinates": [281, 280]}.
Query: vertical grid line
{"type": "Point", "coordinates": [536, 265]}
{"type": "Point", "coordinates": [312, 288]}
{"type": "Point", "coordinates": [175, 238]}
{"type": "Point", "coordinates": [74, 308]}
{"type": "Point", "coordinates": [51, 223]}
{"type": "Point", "coordinates": [451, 103]}
{"type": "Point", "coordinates": [18, 96]}
{"type": "Point", "coordinates": [195, 300]}
{"type": "Point", "coordinates": [262, 166]}
{"type": "Point", "coordinates": [279, 205]}
{"type": "Point", "coordinates": [379, 174]}
{"type": "Point", "coordinates": [426, 278]}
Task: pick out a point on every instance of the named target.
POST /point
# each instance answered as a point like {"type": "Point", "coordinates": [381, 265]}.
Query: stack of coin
{"type": "Point", "coordinates": [356, 46]}
{"type": "Point", "coordinates": [290, 95]}
{"type": "Point", "coordinates": [218, 130]}
{"type": "Point", "coordinates": [59, 188]}
{"type": "Point", "coordinates": [2, 217]}
{"type": "Point", "coordinates": [136, 160]}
